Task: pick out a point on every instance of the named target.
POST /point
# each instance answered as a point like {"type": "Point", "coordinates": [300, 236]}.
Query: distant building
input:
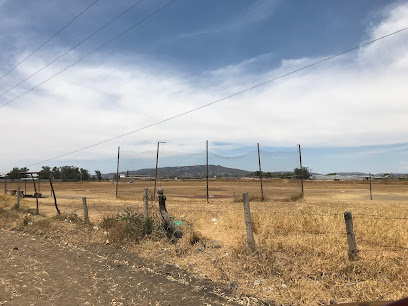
{"type": "Point", "coordinates": [335, 177]}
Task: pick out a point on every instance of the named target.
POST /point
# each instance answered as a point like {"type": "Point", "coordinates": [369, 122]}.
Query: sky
{"type": "Point", "coordinates": [349, 113]}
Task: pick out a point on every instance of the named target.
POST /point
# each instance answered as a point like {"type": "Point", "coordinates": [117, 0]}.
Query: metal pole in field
{"type": "Point", "coordinates": [55, 198]}
{"type": "Point", "coordinates": [157, 163]}
{"type": "Point", "coordinates": [5, 185]}
{"type": "Point", "coordinates": [301, 169]}
{"type": "Point", "coordinates": [117, 173]}
{"type": "Point", "coordinates": [371, 194]}
{"type": "Point", "coordinates": [208, 201]}
{"type": "Point", "coordinates": [35, 194]}
{"type": "Point", "coordinates": [260, 173]}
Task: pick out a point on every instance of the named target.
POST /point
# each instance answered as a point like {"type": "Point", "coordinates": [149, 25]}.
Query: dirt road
{"type": "Point", "coordinates": [38, 271]}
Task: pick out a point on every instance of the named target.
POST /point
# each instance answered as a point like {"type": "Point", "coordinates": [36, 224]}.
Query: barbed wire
{"type": "Point", "coordinates": [378, 217]}
{"type": "Point", "coordinates": [311, 233]}
{"type": "Point", "coordinates": [393, 248]}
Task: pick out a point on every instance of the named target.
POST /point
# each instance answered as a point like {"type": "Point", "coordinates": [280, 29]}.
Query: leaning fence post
{"type": "Point", "coordinates": [248, 222]}
{"type": "Point", "coordinates": [86, 218]}
{"type": "Point", "coordinates": [17, 205]}
{"type": "Point", "coordinates": [146, 202]}
{"type": "Point", "coordinates": [351, 238]}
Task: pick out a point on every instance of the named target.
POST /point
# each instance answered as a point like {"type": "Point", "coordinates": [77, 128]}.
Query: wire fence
{"type": "Point", "coordinates": [228, 176]}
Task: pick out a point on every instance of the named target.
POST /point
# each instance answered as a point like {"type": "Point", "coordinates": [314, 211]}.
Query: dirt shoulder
{"type": "Point", "coordinates": [39, 271]}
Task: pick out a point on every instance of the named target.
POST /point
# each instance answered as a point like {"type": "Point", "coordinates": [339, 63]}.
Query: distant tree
{"type": "Point", "coordinates": [98, 175]}
{"type": "Point", "coordinates": [57, 173]}
{"type": "Point", "coordinates": [304, 173]}
{"type": "Point", "coordinates": [45, 172]}
{"type": "Point", "coordinates": [84, 174]}
{"type": "Point", "coordinates": [14, 173]}
{"type": "Point", "coordinates": [70, 173]}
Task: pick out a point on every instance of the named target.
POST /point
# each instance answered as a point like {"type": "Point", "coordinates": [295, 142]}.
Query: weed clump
{"type": "Point", "coordinates": [73, 217]}
{"type": "Point", "coordinates": [131, 226]}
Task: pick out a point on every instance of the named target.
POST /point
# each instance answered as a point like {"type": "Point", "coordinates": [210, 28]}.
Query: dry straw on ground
{"type": "Point", "coordinates": [301, 248]}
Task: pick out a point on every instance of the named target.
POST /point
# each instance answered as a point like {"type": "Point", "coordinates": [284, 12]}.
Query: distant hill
{"type": "Point", "coordinates": [187, 172]}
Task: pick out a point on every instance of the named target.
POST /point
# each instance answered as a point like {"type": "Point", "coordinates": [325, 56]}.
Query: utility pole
{"type": "Point", "coordinates": [260, 173]}
{"type": "Point", "coordinates": [117, 173]}
{"type": "Point", "coordinates": [301, 169]}
{"type": "Point", "coordinates": [208, 201]}
{"type": "Point", "coordinates": [157, 162]}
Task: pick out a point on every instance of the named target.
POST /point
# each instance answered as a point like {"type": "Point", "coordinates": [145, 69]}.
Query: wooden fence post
{"type": "Point", "coordinates": [86, 218]}
{"type": "Point", "coordinates": [351, 238]}
{"type": "Point", "coordinates": [5, 185]}
{"type": "Point", "coordinates": [17, 205]}
{"type": "Point", "coordinates": [248, 222]}
{"type": "Point", "coordinates": [146, 202]}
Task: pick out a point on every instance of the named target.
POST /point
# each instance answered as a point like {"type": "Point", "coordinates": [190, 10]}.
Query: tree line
{"type": "Point", "coordinates": [297, 173]}
{"type": "Point", "coordinates": [69, 173]}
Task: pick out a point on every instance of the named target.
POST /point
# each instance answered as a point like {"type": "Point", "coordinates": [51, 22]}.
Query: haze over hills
{"type": "Point", "coordinates": [187, 171]}
{"type": "Point", "coordinates": [199, 171]}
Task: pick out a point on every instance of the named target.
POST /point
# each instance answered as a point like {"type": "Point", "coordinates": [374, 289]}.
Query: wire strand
{"type": "Point", "coordinates": [202, 106]}
{"type": "Point", "coordinates": [75, 46]}
{"type": "Point", "coordinates": [49, 39]}
{"type": "Point", "coordinates": [374, 217]}
{"type": "Point", "coordinates": [90, 53]}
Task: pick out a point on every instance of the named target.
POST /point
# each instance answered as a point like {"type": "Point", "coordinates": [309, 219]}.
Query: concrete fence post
{"type": "Point", "coordinates": [248, 222]}
{"type": "Point", "coordinates": [146, 202]}
{"type": "Point", "coordinates": [18, 194]}
{"type": "Point", "coordinates": [86, 217]}
{"type": "Point", "coordinates": [351, 238]}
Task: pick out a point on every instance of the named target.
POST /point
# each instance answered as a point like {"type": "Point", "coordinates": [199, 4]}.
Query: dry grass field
{"type": "Point", "coordinates": [301, 247]}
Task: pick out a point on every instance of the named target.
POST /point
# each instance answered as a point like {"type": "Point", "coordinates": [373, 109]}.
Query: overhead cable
{"type": "Point", "coordinates": [49, 39]}
{"type": "Point", "coordinates": [90, 53]}
{"type": "Point", "coordinates": [73, 47]}
{"type": "Point", "coordinates": [219, 100]}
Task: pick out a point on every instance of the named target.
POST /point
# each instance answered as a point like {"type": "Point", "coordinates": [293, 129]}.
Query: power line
{"type": "Point", "coordinates": [49, 39]}
{"type": "Point", "coordinates": [100, 47]}
{"type": "Point", "coordinates": [216, 101]}
{"type": "Point", "coordinates": [72, 48]}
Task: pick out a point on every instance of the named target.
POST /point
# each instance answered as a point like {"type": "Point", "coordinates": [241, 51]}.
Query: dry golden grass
{"type": "Point", "coordinates": [301, 248]}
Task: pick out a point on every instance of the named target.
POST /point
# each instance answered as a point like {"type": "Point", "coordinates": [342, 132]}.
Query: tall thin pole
{"type": "Point", "coordinates": [301, 169]}
{"type": "Point", "coordinates": [117, 173]}
{"type": "Point", "coordinates": [208, 201]}
{"type": "Point", "coordinates": [260, 173]}
{"type": "Point", "coordinates": [371, 195]}
{"type": "Point", "coordinates": [157, 163]}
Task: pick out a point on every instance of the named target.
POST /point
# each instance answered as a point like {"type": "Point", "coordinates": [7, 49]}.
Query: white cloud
{"type": "Point", "coordinates": [355, 100]}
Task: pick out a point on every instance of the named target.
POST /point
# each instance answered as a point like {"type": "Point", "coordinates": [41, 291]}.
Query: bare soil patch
{"type": "Point", "coordinates": [41, 271]}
